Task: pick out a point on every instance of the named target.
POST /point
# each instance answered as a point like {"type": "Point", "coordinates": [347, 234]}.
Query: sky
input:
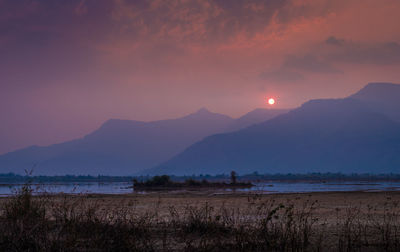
{"type": "Point", "coordinates": [68, 66]}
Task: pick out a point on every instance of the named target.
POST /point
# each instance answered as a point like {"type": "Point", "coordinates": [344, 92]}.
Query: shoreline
{"type": "Point", "coordinates": [211, 193]}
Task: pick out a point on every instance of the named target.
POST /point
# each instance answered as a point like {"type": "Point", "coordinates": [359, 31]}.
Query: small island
{"type": "Point", "coordinates": [164, 182]}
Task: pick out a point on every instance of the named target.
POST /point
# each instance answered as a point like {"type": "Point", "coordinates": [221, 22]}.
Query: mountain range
{"type": "Point", "coordinates": [125, 147]}
{"type": "Point", "coordinates": [357, 134]}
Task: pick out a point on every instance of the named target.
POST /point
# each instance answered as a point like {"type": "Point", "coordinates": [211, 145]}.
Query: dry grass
{"type": "Point", "coordinates": [157, 222]}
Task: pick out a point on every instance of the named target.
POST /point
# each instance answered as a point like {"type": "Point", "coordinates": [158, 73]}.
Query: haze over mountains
{"type": "Point", "coordinates": [360, 133]}
{"type": "Point", "coordinates": [124, 147]}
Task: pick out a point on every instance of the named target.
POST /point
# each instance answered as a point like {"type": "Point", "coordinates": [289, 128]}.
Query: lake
{"type": "Point", "coordinates": [262, 187]}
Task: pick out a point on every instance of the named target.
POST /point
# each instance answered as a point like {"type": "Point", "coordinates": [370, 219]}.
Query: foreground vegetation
{"type": "Point", "coordinates": [67, 223]}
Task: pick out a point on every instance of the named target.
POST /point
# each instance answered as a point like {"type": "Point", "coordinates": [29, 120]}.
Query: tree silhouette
{"type": "Point", "coordinates": [233, 177]}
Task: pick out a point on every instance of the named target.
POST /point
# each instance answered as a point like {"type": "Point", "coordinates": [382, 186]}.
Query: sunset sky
{"type": "Point", "coordinates": [67, 66]}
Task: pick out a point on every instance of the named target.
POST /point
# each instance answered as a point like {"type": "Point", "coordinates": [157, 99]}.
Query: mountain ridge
{"type": "Point", "coordinates": [118, 146]}
{"type": "Point", "coordinates": [310, 138]}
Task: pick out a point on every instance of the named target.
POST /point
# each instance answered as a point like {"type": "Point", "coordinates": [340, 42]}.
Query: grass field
{"type": "Point", "coordinates": [201, 221]}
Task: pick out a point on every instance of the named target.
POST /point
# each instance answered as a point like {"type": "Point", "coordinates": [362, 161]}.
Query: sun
{"type": "Point", "coordinates": [271, 101]}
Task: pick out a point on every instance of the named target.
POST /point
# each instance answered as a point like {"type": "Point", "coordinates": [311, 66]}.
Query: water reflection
{"type": "Point", "coordinates": [262, 187]}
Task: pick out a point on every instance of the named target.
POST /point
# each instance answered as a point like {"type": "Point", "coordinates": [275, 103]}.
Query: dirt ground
{"type": "Point", "coordinates": [327, 221]}
{"type": "Point", "coordinates": [328, 206]}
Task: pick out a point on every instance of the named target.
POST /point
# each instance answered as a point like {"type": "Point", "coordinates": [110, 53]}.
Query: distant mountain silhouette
{"type": "Point", "coordinates": [123, 147]}
{"type": "Point", "coordinates": [256, 116]}
{"type": "Point", "coordinates": [381, 97]}
{"type": "Point", "coordinates": [356, 134]}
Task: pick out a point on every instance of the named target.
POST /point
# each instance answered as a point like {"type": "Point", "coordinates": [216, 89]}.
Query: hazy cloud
{"type": "Point", "coordinates": [334, 41]}
{"type": "Point", "coordinates": [198, 21]}
{"type": "Point", "coordinates": [378, 54]}
{"type": "Point", "coordinates": [81, 8]}
{"type": "Point", "coordinates": [295, 67]}
{"type": "Point", "coordinates": [281, 75]}
{"type": "Point", "coordinates": [356, 52]}
{"type": "Point", "coordinates": [309, 63]}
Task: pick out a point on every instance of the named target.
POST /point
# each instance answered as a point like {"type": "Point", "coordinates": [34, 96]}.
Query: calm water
{"type": "Point", "coordinates": [72, 188]}
{"type": "Point", "coordinates": [265, 187]}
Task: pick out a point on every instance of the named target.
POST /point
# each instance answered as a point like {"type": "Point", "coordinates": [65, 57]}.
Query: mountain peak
{"type": "Point", "coordinates": [205, 114]}
{"type": "Point", "coordinates": [203, 110]}
{"type": "Point", "coordinates": [381, 97]}
{"type": "Point", "coordinates": [379, 93]}
{"type": "Point", "coordinates": [378, 88]}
